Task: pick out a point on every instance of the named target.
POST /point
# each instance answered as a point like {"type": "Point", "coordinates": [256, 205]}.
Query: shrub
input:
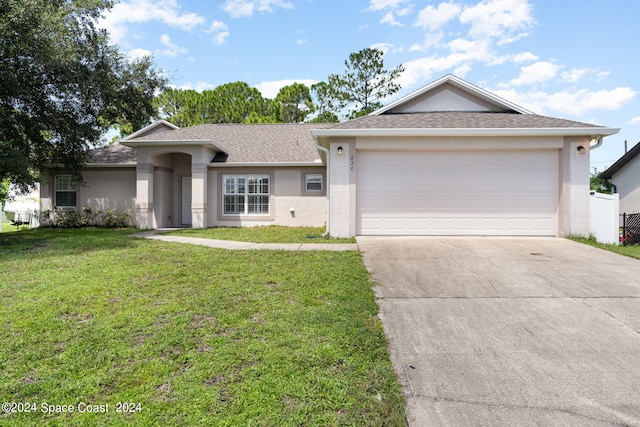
{"type": "Point", "coordinates": [116, 219]}
{"type": "Point", "coordinates": [71, 218]}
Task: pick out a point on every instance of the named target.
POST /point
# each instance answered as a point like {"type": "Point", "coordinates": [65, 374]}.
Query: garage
{"type": "Point", "coordinates": [458, 193]}
{"type": "Point", "coordinates": [454, 159]}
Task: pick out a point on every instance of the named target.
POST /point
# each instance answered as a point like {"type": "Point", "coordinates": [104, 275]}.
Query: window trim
{"type": "Point", "coordinates": [69, 185]}
{"type": "Point", "coordinates": [306, 182]}
{"type": "Point", "coordinates": [246, 195]}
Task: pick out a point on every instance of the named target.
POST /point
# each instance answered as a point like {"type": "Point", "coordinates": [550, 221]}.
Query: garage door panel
{"type": "Point", "coordinates": [482, 193]}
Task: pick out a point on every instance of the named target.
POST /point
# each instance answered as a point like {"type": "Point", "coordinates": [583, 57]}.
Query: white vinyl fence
{"type": "Point", "coordinates": [605, 217]}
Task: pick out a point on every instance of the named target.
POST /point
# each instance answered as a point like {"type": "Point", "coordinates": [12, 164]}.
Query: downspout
{"type": "Point", "coordinates": [326, 151]}
{"type": "Point", "coordinates": [597, 144]}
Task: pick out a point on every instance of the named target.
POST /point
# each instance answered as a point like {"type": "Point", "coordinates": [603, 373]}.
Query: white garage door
{"type": "Point", "coordinates": [458, 193]}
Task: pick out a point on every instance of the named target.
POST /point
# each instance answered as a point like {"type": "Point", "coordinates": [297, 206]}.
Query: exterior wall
{"type": "Point", "coordinates": [109, 189]}
{"type": "Point", "coordinates": [156, 166]}
{"type": "Point", "coordinates": [343, 170]}
{"type": "Point", "coordinates": [627, 181]}
{"type": "Point", "coordinates": [290, 204]}
{"type": "Point", "coordinates": [104, 189]}
{"type": "Point", "coordinates": [573, 181]}
{"type": "Point", "coordinates": [574, 197]}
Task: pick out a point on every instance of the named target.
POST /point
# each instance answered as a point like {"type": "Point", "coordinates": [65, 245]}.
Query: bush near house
{"type": "Point", "coordinates": [71, 218]}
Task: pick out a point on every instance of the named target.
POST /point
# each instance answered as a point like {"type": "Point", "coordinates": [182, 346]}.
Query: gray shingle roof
{"type": "Point", "coordinates": [115, 154]}
{"type": "Point", "coordinates": [459, 120]}
{"type": "Point", "coordinates": [251, 143]}
{"type": "Point", "coordinates": [621, 162]}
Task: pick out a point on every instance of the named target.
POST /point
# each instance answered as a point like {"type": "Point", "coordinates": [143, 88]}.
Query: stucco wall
{"type": "Point", "coordinates": [627, 180]}
{"type": "Point", "coordinates": [573, 204]}
{"type": "Point", "coordinates": [573, 176]}
{"type": "Point", "coordinates": [104, 189]}
{"type": "Point", "coordinates": [290, 204]}
{"type": "Point", "coordinates": [109, 189]}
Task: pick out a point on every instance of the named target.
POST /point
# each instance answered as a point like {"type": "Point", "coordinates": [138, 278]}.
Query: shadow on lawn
{"type": "Point", "coordinates": [63, 241]}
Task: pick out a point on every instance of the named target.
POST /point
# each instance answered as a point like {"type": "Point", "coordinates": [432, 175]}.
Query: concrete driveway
{"type": "Point", "coordinates": [510, 331]}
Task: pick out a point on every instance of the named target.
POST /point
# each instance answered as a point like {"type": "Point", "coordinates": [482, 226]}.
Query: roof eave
{"type": "Point", "coordinates": [165, 143]}
{"type": "Point", "coordinates": [621, 162]}
{"type": "Point", "coordinates": [111, 165]}
{"type": "Point", "coordinates": [318, 162]}
{"type": "Point", "coordinates": [570, 131]}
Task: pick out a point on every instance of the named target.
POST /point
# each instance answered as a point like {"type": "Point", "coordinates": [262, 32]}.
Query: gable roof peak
{"type": "Point", "coordinates": [457, 93]}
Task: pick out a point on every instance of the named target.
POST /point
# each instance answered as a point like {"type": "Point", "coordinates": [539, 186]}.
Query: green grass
{"type": "Point", "coordinates": [268, 234]}
{"type": "Point", "coordinates": [632, 251]}
{"type": "Point", "coordinates": [7, 227]}
{"type": "Point", "coordinates": [197, 336]}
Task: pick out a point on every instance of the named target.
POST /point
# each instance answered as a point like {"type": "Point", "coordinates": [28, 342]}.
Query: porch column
{"type": "Point", "coordinates": [198, 195]}
{"type": "Point", "coordinates": [144, 196]}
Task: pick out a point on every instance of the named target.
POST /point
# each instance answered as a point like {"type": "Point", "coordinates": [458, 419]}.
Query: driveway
{"type": "Point", "coordinates": [510, 331]}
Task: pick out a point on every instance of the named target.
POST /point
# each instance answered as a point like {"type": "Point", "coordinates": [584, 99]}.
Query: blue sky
{"type": "Point", "coordinates": [575, 59]}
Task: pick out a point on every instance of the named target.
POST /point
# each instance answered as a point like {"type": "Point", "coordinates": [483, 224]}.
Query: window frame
{"type": "Point", "coordinates": [248, 191]}
{"type": "Point", "coordinates": [68, 184]}
{"type": "Point", "coordinates": [306, 182]}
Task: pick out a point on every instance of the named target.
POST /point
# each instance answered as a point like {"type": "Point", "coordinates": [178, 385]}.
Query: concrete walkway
{"type": "Point", "coordinates": [233, 245]}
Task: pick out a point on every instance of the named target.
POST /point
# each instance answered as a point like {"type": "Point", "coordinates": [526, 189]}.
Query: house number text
{"type": "Point", "coordinates": [352, 162]}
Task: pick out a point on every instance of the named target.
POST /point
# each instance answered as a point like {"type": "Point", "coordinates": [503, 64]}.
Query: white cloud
{"type": "Point", "coordinates": [539, 72]}
{"type": "Point", "coordinates": [220, 32]}
{"type": "Point", "coordinates": [434, 18]}
{"type": "Point", "coordinates": [391, 9]}
{"type": "Point", "coordinates": [376, 5]}
{"type": "Point", "coordinates": [575, 75]}
{"type": "Point", "coordinates": [138, 53]}
{"type": "Point", "coordinates": [171, 49]}
{"type": "Point", "coordinates": [503, 20]}
{"type": "Point", "coordinates": [198, 86]}
{"type": "Point", "coordinates": [427, 67]}
{"type": "Point", "coordinates": [246, 8]}
{"type": "Point", "coordinates": [635, 121]}
{"type": "Point", "coordinates": [269, 89]}
{"type": "Point", "coordinates": [524, 57]}
{"type": "Point", "coordinates": [136, 11]}
{"type": "Point", "coordinates": [571, 102]}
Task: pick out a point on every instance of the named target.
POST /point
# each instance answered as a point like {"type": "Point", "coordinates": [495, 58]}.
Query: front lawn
{"type": "Point", "coordinates": [268, 234]}
{"type": "Point", "coordinates": [632, 251]}
{"type": "Point", "coordinates": [189, 335]}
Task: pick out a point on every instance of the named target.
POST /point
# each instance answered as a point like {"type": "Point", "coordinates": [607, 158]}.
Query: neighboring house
{"type": "Point", "coordinates": [625, 175]}
{"type": "Point", "coordinates": [448, 159]}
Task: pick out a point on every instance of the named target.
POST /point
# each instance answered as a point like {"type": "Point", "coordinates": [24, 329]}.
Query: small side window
{"type": "Point", "coordinates": [65, 188]}
{"type": "Point", "coordinates": [313, 182]}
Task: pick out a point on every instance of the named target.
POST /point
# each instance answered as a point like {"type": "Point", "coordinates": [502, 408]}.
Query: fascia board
{"type": "Point", "coordinates": [266, 164]}
{"type": "Point", "coordinates": [577, 131]}
{"type": "Point", "coordinates": [181, 143]}
{"type": "Point", "coordinates": [148, 128]}
{"type": "Point", "coordinates": [110, 165]}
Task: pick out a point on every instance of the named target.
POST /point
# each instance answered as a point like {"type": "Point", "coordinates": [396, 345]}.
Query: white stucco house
{"type": "Point", "coordinates": [448, 159]}
{"type": "Point", "coordinates": [625, 175]}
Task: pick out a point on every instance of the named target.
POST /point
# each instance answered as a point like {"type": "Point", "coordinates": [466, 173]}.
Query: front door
{"type": "Point", "coordinates": [186, 200]}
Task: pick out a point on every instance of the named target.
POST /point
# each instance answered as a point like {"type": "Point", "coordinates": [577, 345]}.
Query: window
{"type": "Point", "coordinates": [65, 190]}
{"type": "Point", "coordinates": [313, 182]}
{"type": "Point", "coordinates": [245, 194]}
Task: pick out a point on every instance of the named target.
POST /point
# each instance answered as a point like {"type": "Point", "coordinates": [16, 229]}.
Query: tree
{"type": "Point", "coordinates": [63, 85]}
{"type": "Point", "coordinates": [234, 103]}
{"type": "Point", "coordinates": [295, 103]}
{"type": "Point", "coordinates": [365, 82]}
{"type": "Point", "coordinates": [183, 108]}
{"type": "Point", "coordinates": [326, 103]}
{"type": "Point", "coordinates": [599, 185]}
